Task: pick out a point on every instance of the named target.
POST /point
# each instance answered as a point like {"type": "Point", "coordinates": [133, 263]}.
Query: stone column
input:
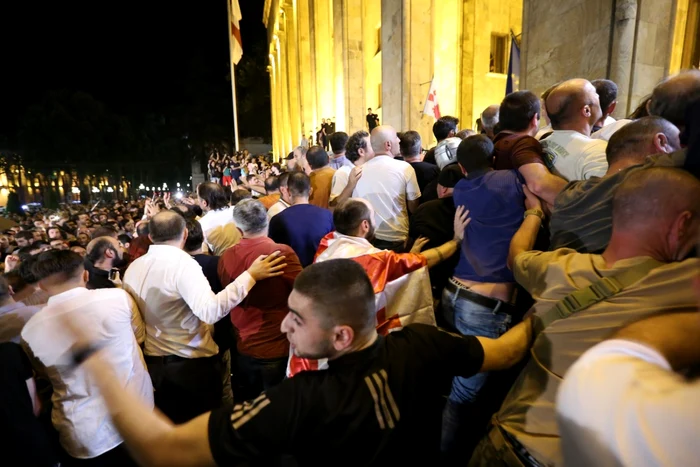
{"type": "Point", "coordinates": [283, 94]}
{"type": "Point", "coordinates": [466, 116]}
{"type": "Point", "coordinates": [407, 64]}
{"type": "Point", "coordinates": [273, 108]}
{"type": "Point", "coordinates": [622, 52]}
{"type": "Point", "coordinates": [323, 44]}
{"type": "Point", "coordinates": [349, 69]}
{"type": "Point", "coordinates": [292, 53]}
{"type": "Point", "coordinates": [307, 86]}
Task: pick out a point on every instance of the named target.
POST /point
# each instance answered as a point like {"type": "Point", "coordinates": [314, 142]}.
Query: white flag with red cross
{"type": "Point", "coordinates": [432, 107]}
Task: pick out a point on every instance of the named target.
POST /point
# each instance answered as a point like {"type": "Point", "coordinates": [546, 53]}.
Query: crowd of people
{"type": "Point", "coordinates": [524, 296]}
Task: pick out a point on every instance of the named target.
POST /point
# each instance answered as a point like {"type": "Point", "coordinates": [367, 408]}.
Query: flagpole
{"type": "Point", "coordinates": [233, 78]}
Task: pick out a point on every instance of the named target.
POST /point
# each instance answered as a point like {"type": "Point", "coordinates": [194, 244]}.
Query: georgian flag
{"type": "Point", "coordinates": [401, 287]}
{"type": "Point", "coordinates": [235, 17]}
{"type": "Point", "coordinates": [432, 107]}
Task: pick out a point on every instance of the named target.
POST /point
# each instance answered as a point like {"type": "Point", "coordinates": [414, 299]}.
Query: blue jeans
{"type": "Point", "coordinates": [466, 414]}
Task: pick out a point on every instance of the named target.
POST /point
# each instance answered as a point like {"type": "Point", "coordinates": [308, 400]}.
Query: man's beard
{"type": "Point", "coordinates": [119, 262]}
{"type": "Point", "coordinates": [370, 234]}
{"type": "Point", "coordinates": [325, 350]}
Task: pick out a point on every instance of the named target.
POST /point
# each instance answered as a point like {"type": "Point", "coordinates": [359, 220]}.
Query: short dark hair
{"type": "Point", "coordinates": [517, 109]}
{"type": "Point", "coordinates": [26, 270]}
{"type": "Point", "coordinates": [195, 235]}
{"type": "Point", "coordinates": [634, 139]}
{"type": "Point", "coordinates": [4, 288]}
{"type": "Point", "coordinates": [410, 143]}
{"type": "Point", "coordinates": [475, 152]}
{"type": "Point", "coordinates": [101, 245]}
{"type": "Point", "coordinates": [15, 281]}
{"type": "Point", "coordinates": [341, 292]}
{"type": "Point", "coordinates": [356, 141]}
{"type": "Point", "coordinates": [317, 157]}
{"type": "Point", "coordinates": [443, 126]}
{"type": "Point", "coordinates": [26, 251]}
{"type": "Point", "coordinates": [64, 263]}
{"type": "Point", "coordinates": [239, 195]}
{"type": "Point", "coordinates": [166, 226]}
{"type": "Point", "coordinates": [450, 175]}
{"type": "Point", "coordinates": [272, 183]}
{"type": "Point", "coordinates": [607, 92]}
{"type": "Point", "coordinates": [284, 179]}
{"type": "Point", "coordinates": [348, 216]}
{"type": "Point", "coordinates": [213, 194]}
{"type": "Point", "coordinates": [671, 99]}
{"type": "Point", "coordinates": [299, 184]}
{"type": "Point", "coordinates": [124, 238]}
{"type": "Point", "coordinates": [338, 141]}
{"type": "Point", "coordinates": [143, 229]}
{"type": "Point", "coordinates": [25, 234]}
{"type": "Point", "coordinates": [105, 231]}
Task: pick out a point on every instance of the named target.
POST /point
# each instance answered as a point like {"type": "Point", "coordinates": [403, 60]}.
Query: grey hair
{"type": "Point", "coordinates": [489, 117]}
{"type": "Point", "coordinates": [250, 216]}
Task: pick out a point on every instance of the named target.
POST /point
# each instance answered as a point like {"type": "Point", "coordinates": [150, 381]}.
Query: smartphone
{"type": "Point", "coordinates": [113, 273]}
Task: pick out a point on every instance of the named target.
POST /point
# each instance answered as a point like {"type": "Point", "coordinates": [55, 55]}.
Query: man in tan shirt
{"type": "Point", "coordinates": [321, 176]}
{"type": "Point", "coordinates": [655, 220]}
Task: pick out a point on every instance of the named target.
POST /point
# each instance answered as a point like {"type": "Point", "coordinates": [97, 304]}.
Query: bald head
{"type": "Point", "coordinates": [489, 117]}
{"type": "Point", "coordinates": [167, 226]}
{"type": "Point", "coordinates": [650, 201]}
{"type": "Point", "coordinates": [574, 105]}
{"type": "Point", "coordinates": [384, 140]}
{"type": "Point", "coordinates": [673, 96]}
{"type": "Point", "coordinates": [641, 138]}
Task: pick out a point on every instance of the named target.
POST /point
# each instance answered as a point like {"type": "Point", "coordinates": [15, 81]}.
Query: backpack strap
{"type": "Point", "coordinates": [600, 290]}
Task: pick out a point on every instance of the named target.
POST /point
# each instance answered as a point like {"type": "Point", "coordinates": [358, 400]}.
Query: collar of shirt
{"type": "Point", "coordinates": [164, 250]}
{"type": "Point", "coordinates": [353, 358]}
{"type": "Point", "coordinates": [254, 241]}
{"type": "Point", "coordinates": [67, 295]}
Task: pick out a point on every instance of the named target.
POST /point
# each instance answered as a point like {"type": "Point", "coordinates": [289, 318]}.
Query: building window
{"type": "Point", "coordinates": [379, 40]}
{"type": "Point", "coordinates": [499, 57]}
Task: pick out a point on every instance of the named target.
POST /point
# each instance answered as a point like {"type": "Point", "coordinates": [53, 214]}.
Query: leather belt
{"type": "Point", "coordinates": [488, 302]}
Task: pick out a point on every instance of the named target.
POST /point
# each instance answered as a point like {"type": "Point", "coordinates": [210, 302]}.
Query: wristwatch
{"type": "Point", "coordinates": [534, 212]}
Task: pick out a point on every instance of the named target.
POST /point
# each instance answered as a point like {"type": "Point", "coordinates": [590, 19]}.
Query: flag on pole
{"type": "Point", "coordinates": [235, 20]}
{"type": "Point", "coordinates": [431, 103]}
{"type": "Point", "coordinates": [513, 82]}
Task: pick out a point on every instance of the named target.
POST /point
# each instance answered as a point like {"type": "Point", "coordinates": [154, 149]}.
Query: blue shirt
{"type": "Point", "coordinates": [495, 201]}
{"type": "Point", "coordinates": [341, 161]}
{"type": "Point", "coordinates": [302, 227]}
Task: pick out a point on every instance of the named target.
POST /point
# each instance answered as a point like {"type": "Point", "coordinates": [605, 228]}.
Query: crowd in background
{"type": "Point", "coordinates": [284, 314]}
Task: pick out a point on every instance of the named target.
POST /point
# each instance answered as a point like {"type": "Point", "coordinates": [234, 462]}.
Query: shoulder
{"type": "Point", "coordinates": [594, 147]}
{"type": "Point", "coordinates": [534, 262]}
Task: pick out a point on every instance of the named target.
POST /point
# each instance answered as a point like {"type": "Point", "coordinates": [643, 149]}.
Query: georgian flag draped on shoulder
{"type": "Point", "coordinates": [236, 44]}
{"type": "Point", "coordinates": [401, 286]}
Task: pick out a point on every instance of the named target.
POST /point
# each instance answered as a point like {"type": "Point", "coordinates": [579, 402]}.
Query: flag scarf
{"type": "Point", "coordinates": [401, 286]}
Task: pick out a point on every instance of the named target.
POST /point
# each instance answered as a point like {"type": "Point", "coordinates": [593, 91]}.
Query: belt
{"type": "Point", "coordinates": [488, 302]}
{"type": "Point", "coordinates": [165, 359]}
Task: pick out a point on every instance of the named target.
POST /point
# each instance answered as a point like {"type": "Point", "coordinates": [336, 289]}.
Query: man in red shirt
{"type": "Point", "coordinates": [262, 347]}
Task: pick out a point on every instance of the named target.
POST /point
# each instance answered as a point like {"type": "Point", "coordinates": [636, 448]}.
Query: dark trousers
{"type": "Point", "coordinates": [254, 375]}
{"type": "Point", "coordinates": [116, 457]}
{"type": "Point", "coordinates": [185, 388]}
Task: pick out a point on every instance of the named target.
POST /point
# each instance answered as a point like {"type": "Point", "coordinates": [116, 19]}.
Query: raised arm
{"type": "Point", "coordinates": [210, 307]}
{"type": "Point", "coordinates": [437, 255]}
{"type": "Point", "coordinates": [541, 182]}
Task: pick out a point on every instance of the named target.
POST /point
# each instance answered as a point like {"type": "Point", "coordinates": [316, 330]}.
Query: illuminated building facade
{"type": "Point", "coordinates": [336, 58]}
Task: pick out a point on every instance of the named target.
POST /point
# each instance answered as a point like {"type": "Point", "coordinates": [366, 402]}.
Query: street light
{"type": "Point", "coordinates": [141, 187]}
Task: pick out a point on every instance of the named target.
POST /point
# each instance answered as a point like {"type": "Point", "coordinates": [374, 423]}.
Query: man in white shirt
{"type": "Point", "coordinates": [574, 108]}
{"type": "Point", "coordinates": [85, 428]}
{"type": "Point", "coordinates": [179, 310]}
{"type": "Point", "coordinates": [357, 150]}
{"type": "Point", "coordinates": [217, 223]}
{"type": "Point", "coordinates": [13, 315]}
{"type": "Point", "coordinates": [607, 125]}
{"type": "Point", "coordinates": [622, 402]}
{"type": "Point", "coordinates": [391, 187]}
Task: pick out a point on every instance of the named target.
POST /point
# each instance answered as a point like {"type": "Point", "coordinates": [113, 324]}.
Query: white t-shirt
{"type": "Point", "coordinates": [621, 404]}
{"type": "Point", "coordinates": [219, 230]}
{"type": "Point", "coordinates": [575, 156]}
{"type": "Point", "coordinates": [79, 414]}
{"type": "Point", "coordinates": [609, 129]}
{"type": "Point", "coordinates": [388, 184]}
{"type": "Point", "coordinates": [340, 181]}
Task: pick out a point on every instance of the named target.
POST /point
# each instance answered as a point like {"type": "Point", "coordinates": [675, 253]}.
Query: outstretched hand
{"type": "Point", "coordinates": [461, 222]}
{"type": "Point", "coordinates": [419, 244]}
{"type": "Point", "coordinates": [267, 266]}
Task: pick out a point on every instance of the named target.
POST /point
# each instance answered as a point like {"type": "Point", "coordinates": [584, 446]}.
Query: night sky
{"type": "Point", "coordinates": [134, 56]}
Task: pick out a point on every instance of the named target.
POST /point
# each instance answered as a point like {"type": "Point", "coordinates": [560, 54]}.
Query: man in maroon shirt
{"type": "Point", "coordinates": [262, 347]}
{"type": "Point", "coordinates": [515, 147]}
